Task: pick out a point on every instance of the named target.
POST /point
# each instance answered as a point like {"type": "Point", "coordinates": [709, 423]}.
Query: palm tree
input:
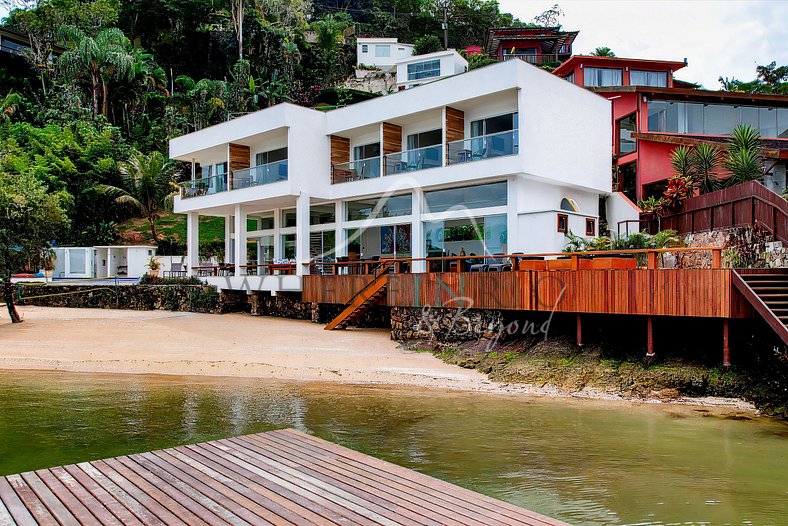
{"type": "Point", "coordinates": [603, 52]}
{"type": "Point", "coordinates": [705, 159]}
{"type": "Point", "coordinates": [744, 158]}
{"type": "Point", "coordinates": [147, 186]}
{"type": "Point", "coordinates": [102, 58]}
{"type": "Point", "coordinates": [681, 161]}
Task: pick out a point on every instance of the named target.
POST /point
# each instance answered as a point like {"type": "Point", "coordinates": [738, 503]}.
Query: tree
{"type": "Point", "coordinates": [744, 158]}
{"type": "Point", "coordinates": [603, 52]}
{"type": "Point", "coordinates": [147, 186]}
{"type": "Point", "coordinates": [771, 79]}
{"type": "Point", "coordinates": [427, 44]}
{"type": "Point", "coordinates": [705, 160]}
{"type": "Point", "coordinates": [9, 105]}
{"type": "Point", "coordinates": [549, 18]}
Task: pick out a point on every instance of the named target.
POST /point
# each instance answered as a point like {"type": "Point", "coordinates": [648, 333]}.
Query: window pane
{"type": "Point", "coordinates": [596, 77]}
{"type": "Point", "coordinates": [626, 127]}
{"type": "Point", "coordinates": [399, 205]}
{"type": "Point", "coordinates": [77, 260]}
{"type": "Point", "coordinates": [648, 78]}
{"type": "Point", "coordinates": [782, 123]}
{"type": "Point", "coordinates": [423, 70]}
{"type": "Point", "coordinates": [720, 119]}
{"type": "Point", "coordinates": [382, 51]}
{"type": "Point", "coordinates": [267, 222]}
{"type": "Point", "coordinates": [495, 234]}
{"type": "Point", "coordinates": [767, 119]}
{"type": "Point", "coordinates": [288, 218]}
{"type": "Point", "coordinates": [367, 151]}
{"type": "Point", "coordinates": [749, 115]}
{"type": "Point", "coordinates": [289, 246]}
{"type": "Point", "coordinates": [322, 214]}
{"type": "Point", "coordinates": [481, 196]}
{"type": "Point", "coordinates": [694, 118]}
{"type": "Point", "coordinates": [498, 124]}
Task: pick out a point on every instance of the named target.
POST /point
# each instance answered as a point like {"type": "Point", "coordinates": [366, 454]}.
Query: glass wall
{"type": "Point", "coordinates": [271, 156]}
{"type": "Point", "coordinates": [715, 119]}
{"type": "Point", "coordinates": [289, 246]}
{"type": "Point", "coordinates": [398, 205]}
{"type": "Point", "coordinates": [598, 77]}
{"type": "Point", "coordinates": [424, 70]}
{"type": "Point", "coordinates": [288, 218]}
{"type": "Point", "coordinates": [322, 214]}
{"type": "Point", "coordinates": [657, 79]}
{"type": "Point", "coordinates": [468, 236]}
{"type": "Point", "coordinates": [482, 196]}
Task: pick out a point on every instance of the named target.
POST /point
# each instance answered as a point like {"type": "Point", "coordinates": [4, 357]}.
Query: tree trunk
{"type": "Point", "coordinates": [105, 99]}
{"type": "Point", "coordinates": [8, 294]}
{"type": "Point", "coordinates": [152, 221]}
{"type": "Point", "coordinates": [95, 94]}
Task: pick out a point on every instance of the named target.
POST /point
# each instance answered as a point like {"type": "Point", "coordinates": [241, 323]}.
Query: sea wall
{"type": "Point", "coordinates": [289, 305]}
{"type": "Point", "coordinates": [452, 325]}
{"type": "Point", "coordinates": [186, 298]}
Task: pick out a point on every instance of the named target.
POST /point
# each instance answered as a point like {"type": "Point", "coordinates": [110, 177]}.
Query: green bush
{"type": "Point", "coordinates": [147, 279]}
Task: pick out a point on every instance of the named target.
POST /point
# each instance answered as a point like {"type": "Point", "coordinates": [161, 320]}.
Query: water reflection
{"type": "Point", "coordinates": [582, 462]}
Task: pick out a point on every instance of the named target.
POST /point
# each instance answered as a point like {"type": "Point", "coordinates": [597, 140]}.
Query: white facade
{"type": "Point", "coordinates": [125, 261]}
{"type": "Point", "coordinates": [383, 53]}
{"type": "Point", "coordinates": [528, 140]}
{"type": "Point", "coordinates": [420, 69]}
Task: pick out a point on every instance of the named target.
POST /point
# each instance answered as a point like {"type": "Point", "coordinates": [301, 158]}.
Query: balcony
{"type": "Point", "coordinates": [483, 147]}
{"type": "Point", "coordinates": [536, 60]}
{"type": "Point", "coordinates": [414, 160]}
{"type": "Point", "coordinates": [356, 170]}
{"type": "Point", "coordinates": [246, 178]}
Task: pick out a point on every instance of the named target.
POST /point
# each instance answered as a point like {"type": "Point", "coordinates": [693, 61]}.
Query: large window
{"type": "Point", "coordinates": [382, 50]}
{"type": "Point", "coordinates": [272, 156]}
{"type": "Point", "coordinates": [715, 119]}
{"type": "Point", "coordinates": [626, 127]}
{"type": "Point", "coordinates": [322, 214]}
{"type": "Point", "coordinates": [424, 139]}
{"type": "Point", "coordinates": [366, 151]}
{"type": "Point", "coordinates": [482, 196]}
{"type": "Point", "coordinates": [289, 246]}
{"type": "Point", "coordinates": [467, 236]}
{"type": "Point", "coordinates": [398, 205]}
{"type": "Point", "coordinates": [598, 77]}
{"type": "Point", "coordinates": [424, 70]}
{"type": "Point", "coordinates": [288, 218]}
{"type": "Point", "coordinates": [657, 79]}
{"type": "Point", "coordinates": [570, 77]}
{"type": "Point", "coordinates": [496, 124]}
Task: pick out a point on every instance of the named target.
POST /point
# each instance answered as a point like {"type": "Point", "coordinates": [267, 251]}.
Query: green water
{"type": "Point", "coordinates": [583, 462]}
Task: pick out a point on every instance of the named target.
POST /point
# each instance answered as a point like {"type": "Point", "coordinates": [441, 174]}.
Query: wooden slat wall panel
{"type": "Point", "coordinates": [340, 149]}
{"type": "Point", "coordinates": [392, 138]}
{"type": "Point", "coordinates": [239, 157]}
{"type": "Point", "coordinates": [333, 289]}
{"type": "Point", "coordinates": [455, 124]}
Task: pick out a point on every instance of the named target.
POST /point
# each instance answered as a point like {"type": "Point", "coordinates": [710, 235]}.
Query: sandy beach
{"type": "Point", "coordinates": [243, 346]}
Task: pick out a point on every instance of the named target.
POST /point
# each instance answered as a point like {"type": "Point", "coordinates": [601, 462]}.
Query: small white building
{"type": "Point", "coordinates": [124, 261]}
{"type": "Point", "coordinates": [383, 53]}
{"type": "Point", "coordinates": [420, 69]}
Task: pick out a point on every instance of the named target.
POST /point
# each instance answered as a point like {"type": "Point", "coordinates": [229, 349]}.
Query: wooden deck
{"type": "Point", "coordinates": [280, 477]}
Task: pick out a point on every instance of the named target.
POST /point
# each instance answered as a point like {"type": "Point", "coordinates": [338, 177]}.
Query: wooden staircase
{"type": "Point", "coordinates": [372, 294]}
{"type": "Point", "coordinates": [768, 294]}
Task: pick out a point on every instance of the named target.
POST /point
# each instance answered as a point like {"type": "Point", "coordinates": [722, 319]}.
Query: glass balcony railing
{"type": "Point", "coordinates": [357, 170]}
{"type": "Point", "coordinates": [260, 175]}
{"type": "Point", "coordinates": [483, 147]}
{"type": "Point", "coordinates": [414, 160]}
{"type": "Point", "coordinates": [205, 186]}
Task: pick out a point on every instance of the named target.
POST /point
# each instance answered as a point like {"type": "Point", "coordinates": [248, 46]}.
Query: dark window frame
{"type": "Point", "coordinates": [563, 223]}
{"type": "Point", "coordinates": [618, 133]}
{"type": "Point", "coordinates": [590, 226]}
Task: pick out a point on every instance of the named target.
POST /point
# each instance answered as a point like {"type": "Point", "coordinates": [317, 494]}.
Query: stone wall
{"type": "Point", "coordinates": [186, 298]}
{"type": "Point", "coordinates": [744, 247]}
{"type": "Point", "coordinates": [448, 325]}
{"type": "Point", "coordinates": [283, 305]}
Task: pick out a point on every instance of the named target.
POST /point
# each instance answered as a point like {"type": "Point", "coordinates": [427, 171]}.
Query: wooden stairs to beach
{"type": "Point", "coordinates": [374, 293]}
{"type": "Point", "coordinates": [768, 294]}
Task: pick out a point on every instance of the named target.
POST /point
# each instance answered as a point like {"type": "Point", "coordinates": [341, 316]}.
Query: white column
{"type": "Point", "coordinates": [513, 241]}
{"type": "Point", "coordinates": [109, 260]}
{"type": "Point", "coordinates": [192, 242]}
{"type": "Point", "coordinates": [228, 238]}
{"type": "Point", "coordinates": [240, 240]}
{"type": "Point", "coordinates": [417, 242]}
{"type": "Point", "coordinates": [278, 234]}
{"type": "Point", "coordinates": [339, 230]}
{"type": "Point", "coordinates": [302, 234]}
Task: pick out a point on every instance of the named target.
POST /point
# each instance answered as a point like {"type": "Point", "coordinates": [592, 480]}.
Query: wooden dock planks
{"type": "Point", "coordinates": [275, 478]}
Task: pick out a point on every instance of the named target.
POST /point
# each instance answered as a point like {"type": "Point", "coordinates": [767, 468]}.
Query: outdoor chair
{"type": "Point", "coordinates": [498, 264]}
{"type": "Point", "coordinates": [479, 267]}
{"type": "Point", "coordinates": [176, 271]}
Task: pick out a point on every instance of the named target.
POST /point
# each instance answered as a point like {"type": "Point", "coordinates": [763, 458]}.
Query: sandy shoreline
{"type": "Point", "coordinates": [242, 346]}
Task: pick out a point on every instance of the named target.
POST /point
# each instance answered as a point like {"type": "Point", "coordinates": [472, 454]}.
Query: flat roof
{"type": "Point", "coordinates": [697, 94]}
{"type": "Point", "coordinates": [569, 64]}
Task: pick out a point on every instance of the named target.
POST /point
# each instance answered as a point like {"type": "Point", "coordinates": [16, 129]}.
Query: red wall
{"type": "Point", "coordinates": [654, 162]}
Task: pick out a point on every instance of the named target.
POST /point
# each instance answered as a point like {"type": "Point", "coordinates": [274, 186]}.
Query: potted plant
{"type": "Point", "coordinates": [154, 266]}
{"type": "Point", "coordinates": [48, 258]}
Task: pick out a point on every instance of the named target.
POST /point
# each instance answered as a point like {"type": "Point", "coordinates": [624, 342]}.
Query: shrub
{"type": "Point", "coordinates": [427, 44]}
{"type": "Point", "coordinates": [147, 279]}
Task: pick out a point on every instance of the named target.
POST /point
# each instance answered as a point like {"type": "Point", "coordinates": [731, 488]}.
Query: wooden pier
{"type": "Point", "coordinates": [279, 477]}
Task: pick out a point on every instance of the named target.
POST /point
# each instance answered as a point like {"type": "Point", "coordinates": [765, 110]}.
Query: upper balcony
{"type": "Point", "coordinates": [262, 174]}
{"type": "Point", "coordinates": [537, 59]}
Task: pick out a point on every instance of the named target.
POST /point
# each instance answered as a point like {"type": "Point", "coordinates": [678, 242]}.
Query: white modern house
{"type": "Point", "coordinates": [125, 261]}
{"type": "Point", "coordinates": [420, 69]}
{"type": "Point", "coordinates": [502, 159]}
{"type": "Point", "coordinates": [382, 53]}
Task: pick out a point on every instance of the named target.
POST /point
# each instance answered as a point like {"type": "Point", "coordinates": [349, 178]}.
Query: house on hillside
{"type": "Point", "coordinates": [474, 163]}
{"type": "Point", "coordinates": [535, 45]}
{"type": "Point", "coordinates": [653, 113]}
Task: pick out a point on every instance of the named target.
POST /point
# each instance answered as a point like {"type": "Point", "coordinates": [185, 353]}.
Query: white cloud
{"type": "Point", "coordinates": [718, 38]}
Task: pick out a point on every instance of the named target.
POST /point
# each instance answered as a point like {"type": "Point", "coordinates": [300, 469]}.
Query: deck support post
{"type": "Point", "coordinates": [726, 349]}
{"type": "Point", "coordinates": [239, 240]}
{"type": "Point", "coordinates": [649, 337]}
{"type": "Point", "coordinates": [579, 319]}
{"type": "Point", "coordinates": [192, 243]}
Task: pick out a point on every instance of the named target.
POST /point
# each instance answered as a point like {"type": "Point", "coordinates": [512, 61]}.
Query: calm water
{"type": "Point", "coordinates": [582, 462]}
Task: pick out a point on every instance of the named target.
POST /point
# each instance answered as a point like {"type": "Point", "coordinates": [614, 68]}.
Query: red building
{"type": "Point", "coordinates": [540, 45]}
{"type": "Point", "coordinates": [653, 113]}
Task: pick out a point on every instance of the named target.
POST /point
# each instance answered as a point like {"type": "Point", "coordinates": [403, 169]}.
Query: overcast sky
{"type": "Point", "coordinates": [720, 37]}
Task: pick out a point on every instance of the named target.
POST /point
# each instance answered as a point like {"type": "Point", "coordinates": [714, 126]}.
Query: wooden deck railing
{"type": "Point", "coordinates": [743, 205]}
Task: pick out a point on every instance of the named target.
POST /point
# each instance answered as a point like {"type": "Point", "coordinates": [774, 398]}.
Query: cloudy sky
{"type": "Point", "coordinates": [720, 37]}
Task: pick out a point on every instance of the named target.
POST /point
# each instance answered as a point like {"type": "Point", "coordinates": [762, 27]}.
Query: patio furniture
{"type": "Point", "coordinates": [176, 271]}
{"type": "Point", "coordinates": [497, 264]}
{"type": "Point", "coordinates": [479, 267]}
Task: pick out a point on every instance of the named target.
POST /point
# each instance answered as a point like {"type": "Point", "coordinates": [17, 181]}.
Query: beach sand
{"type": "Point", "coordinates": [240, 345]}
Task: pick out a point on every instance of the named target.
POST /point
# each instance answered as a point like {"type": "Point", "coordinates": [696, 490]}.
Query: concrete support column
{"type": "Point", "coordinates": [109, 262]}
{"type": "Point", "coordinates": [192, 242]}
{"type": "Point", "coordinates": [278, 251]}
{"type": "Point", "coordinates": [240, 240]}
{"type": "Point", "coordinates": [417, 242]}
{"type": "Point", "coordinates": [228, 239]}
{"type": "Point", "coordinates": [339, 230]}
{"type": "Point", "coordinates": [726, 349]}
{"type": "Point", "coordinates": [579, 330]}
{"type": "Point", "coordinates": [302, 234]}
{"type": "Point", "coordinates": [649, 337]}
{"type": "Point", "coordinates": [513, 242]}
